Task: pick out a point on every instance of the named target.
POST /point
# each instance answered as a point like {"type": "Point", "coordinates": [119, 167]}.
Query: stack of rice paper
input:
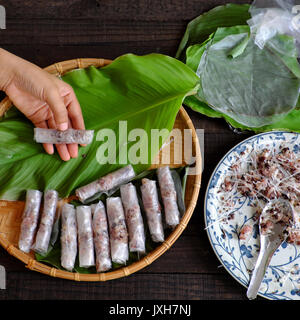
{"type": "Point", "coordinates": [253, 88]}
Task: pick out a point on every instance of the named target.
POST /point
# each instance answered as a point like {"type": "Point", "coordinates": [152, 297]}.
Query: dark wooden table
{"type": "Point", "coordinates": [45, 32]}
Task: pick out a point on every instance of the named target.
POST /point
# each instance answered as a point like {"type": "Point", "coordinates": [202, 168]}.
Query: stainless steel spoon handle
{"type": "Point", "coordinates": [269, 241]}
{"type": "Point", "coordinates": [257, 275]}
{"type": "Point", "coordinates": [267, 250]}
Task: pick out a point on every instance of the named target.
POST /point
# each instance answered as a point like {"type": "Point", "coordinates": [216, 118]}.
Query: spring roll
{"type": "Point", "coordinates": [134, 218]}
{"type": "Point", "coordinates": [68, 136]}
{"type": "Point", "coordinates": [30, 219]}
{"type": "Point", "coordinates": [169, 196]}
{"type": "Point", "coordinates": [68, 236]}
{"type": "Point", "coordinates": [106, 183]}
{"type": "Point", "coordinates": [153, 209]}
{"type": "Point", "coordinates": [85, 236]}
{"type": "Point", "coordinates": [45, 228]}
{"type": "Point", "coordinates": [117, 230]}
{"type": "Point", "coordinates": [101, 237]}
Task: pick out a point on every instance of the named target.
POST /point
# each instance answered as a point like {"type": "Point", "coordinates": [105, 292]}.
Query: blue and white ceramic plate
{"type": "Point", "coordinates": [282, 278]}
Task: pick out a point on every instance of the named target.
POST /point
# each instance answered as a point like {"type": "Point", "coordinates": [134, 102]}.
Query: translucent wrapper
{"type": "Point", "coordinates": [273, 17]}
{"type": "Point", "coordinates": [60, 137]}
{"type": "Point", "coordinates": [261, 87]}
{"type": "Point", "coordinates": [30, 219]}
{"type": "Point", "coordinates": [153, 209]}
{"type": "Point", "coordinates": [117, 230]}
{"type": "Point", "coordinates": [134, 218]}
{"type": "Point", "coordinates": [101, 237]}
{"type": "Point", "coordinates": [169, 196]}
{"type": "Point", "coordinates": [85, 236]}
{"type": "Point", "coordinates": [106, 183]}
{"type": "Point", "coordinates": [68, 236]}
{"type": "Point", "coordinates": [45, 228]}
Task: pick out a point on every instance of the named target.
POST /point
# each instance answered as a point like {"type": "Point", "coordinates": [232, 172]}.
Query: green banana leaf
{"type": "Point", "coordinates": [146, 91]}
{"type": "Point", "coordinates": [198, 34]}
{"type": "Point", "coordinates": [199, 29]}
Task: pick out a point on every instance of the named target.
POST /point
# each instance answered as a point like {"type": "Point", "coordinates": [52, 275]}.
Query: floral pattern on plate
{"type": "Point", "coordinates": [282, 278]}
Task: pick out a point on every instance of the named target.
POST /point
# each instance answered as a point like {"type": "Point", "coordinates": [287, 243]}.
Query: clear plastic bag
{"type": "Point", "coordinates": [273, 17]}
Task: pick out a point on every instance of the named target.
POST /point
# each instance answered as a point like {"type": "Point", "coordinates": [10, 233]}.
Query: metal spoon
{"type": "Point", "coordinates": [269, 242]}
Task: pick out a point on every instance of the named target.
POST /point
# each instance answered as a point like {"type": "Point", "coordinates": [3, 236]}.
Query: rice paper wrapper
{"type": "Point", "coordinates": [101, 237]}
{"type": "Point", "coordinates": [68, 136]}
{"type": "Point", "coordinates": [134, 219]}
{"type": "Point", "coordinates": [117, 230]}
{"type": "Point", "coordinates": [43, 236]}
{"type": "Point", "coordinates": [105, 185]}
{"type": "Point", "coordinates": [30, 219]}
{"type": "Point", "coordinates": [152, 208]}
{"type": "Point", "coordinates": [68, 236]}
{"type": "Point", "coordinates": [169, 196]}
{"type": "Point", "coordinates": [85, 236]}
{"type": "Point", "coordinates": [254, 87]}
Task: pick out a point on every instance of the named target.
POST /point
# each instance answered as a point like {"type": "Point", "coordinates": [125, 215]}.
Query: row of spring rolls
{"type": "Point", "coordinates": [103, 235]}
{"type": "Point", "coordinates": [108, 233]}
{"type": "Point", "coordinates": [31, 213]}
{"type": "Point", "coordinates": [152, 205]}
{"type": "Point", "coordinates": [35, 234]}
{"type": "Point", "coordinates": [125, 174]}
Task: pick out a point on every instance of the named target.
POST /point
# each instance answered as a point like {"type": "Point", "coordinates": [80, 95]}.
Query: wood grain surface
{"type": "Point", "coordinates": [48, 31]}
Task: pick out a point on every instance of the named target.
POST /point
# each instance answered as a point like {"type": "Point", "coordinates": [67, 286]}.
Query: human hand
{"type": "Point", "coordinates": [43, 98]}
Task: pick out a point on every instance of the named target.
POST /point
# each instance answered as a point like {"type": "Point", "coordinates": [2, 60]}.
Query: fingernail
{"type": "Point", "coordinates": [75, 155]}
{"type": "Point", "coordinates": [51, 150]}
{"type": "Point", "coordinates": [63, 126]}
{"type": "Point", "coordinates": [67, 158]}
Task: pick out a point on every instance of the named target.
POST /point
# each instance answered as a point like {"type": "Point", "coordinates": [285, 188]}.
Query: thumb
{"type": "Point", "coordinates": [58, 108]}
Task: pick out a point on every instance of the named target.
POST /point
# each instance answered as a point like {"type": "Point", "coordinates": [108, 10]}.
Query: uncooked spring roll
{"type": "Point", "coordinates": [106, 183]}
{"type": "Point", "coordinates": [45, 228]}
{"type": "Point", "coordinates": [117, 230]}
{"type": "Point", "coordinates": [101, 237]}
{"type": "Point", "coordinates": [68, 136]}
{"type": "Point", "coordinates": [169, 196]}
{"type": "Point", "coordinates": [30, 219]}
{"type": "Point", "coordinates": [68, 236]}
{"type": "Point", "coordinates": [133, 217]}
{"type": "Point", "coordinates": [153, 209]}
{"type": "Point", "coordinates": [85, 236]}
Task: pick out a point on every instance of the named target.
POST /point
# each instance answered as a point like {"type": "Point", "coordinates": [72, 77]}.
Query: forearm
{"type": "Point", "coordinates": [43, 98]}
{"type": "Point", "coordinates": [6, 68]}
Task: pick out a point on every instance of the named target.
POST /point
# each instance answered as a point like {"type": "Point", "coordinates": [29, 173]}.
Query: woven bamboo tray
{"type": "Point", "coordinates": [11, 211]}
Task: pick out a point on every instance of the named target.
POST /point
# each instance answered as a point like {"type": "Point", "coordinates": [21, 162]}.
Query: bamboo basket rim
{"type": "Point", "coordinates": [59, 69]}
